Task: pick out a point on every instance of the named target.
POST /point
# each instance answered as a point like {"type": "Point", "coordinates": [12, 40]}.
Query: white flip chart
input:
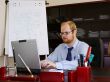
{"type": "Point", "coordinates": [27, 20]}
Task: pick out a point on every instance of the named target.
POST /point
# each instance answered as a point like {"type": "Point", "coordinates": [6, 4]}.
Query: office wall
{"type": "Point", "coordinates": [2, 25]}
{"type": "Point", "coordinates": [9, 62]}
{"type": "Point", "coordinates": [63, 2]}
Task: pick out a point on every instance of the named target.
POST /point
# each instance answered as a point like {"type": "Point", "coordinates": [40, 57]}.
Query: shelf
{"type": "Point", "coordinates": [106, 55]}
{"type": "Point", "coordinates": [106, 61]}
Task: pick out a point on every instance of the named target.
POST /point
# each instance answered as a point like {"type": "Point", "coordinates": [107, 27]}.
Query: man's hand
{"type": "Point", "coordinates": [48, 64]}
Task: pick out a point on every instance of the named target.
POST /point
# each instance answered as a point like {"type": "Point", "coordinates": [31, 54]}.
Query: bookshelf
{"type": "Point", "coordinates": [92, 17]}
{"type": "Point", "coordinates": [106, 52]}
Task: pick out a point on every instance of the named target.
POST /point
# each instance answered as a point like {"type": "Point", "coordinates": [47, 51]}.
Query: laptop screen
{"type": "Point", "coordinates": [25, 54]}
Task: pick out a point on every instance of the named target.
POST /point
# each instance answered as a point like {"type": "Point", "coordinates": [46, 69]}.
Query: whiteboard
{"type": "Point", "coordinates": [27, 20]}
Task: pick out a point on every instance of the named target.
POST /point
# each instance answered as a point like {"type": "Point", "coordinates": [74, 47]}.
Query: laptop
{"type": "Point", "coordinates": [26, 56]}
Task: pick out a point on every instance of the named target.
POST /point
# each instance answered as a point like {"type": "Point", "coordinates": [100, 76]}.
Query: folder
{"type": "Point", "coordinates": [24, 78]}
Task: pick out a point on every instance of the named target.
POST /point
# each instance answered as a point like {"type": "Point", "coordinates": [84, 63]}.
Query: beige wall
{"type": "Point", "coordinates": [9, 62]}
{"type": "Point", "coordinates": [2, 25]}
{"type": "Point", "coordinates": [62, 2]}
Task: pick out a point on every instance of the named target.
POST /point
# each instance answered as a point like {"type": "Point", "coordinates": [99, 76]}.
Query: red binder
{"type": "Point", "coordinates": [83, 74]}
{"type": "Point", "coordinates": [72, 76]}
{"type": "Point", "coordinates": [51, 77]}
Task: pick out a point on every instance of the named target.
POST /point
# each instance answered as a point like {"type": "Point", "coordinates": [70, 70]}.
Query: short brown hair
{"type": "Point", "coordinates": [71, 24]}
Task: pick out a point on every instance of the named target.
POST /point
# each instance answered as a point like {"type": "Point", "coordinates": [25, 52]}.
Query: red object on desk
{"type": "Point", "coordinates": [72, 76]}
{"type": "Point", "coordinates": [84, 74]}
{"type": "Point", "coordinates": [51, 77]}
{"type": "Point", "coordinates": [88, 54]}
{"type": "Point", "coordinates": [3, 73]}
{"type": "Point", "coordinates": [24, 78]}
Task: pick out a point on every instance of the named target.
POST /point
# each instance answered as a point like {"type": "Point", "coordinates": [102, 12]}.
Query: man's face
{"type": "Point", "coordinates": [67, 34]}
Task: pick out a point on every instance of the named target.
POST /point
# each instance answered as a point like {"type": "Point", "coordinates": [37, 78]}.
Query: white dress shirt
{"type": "Point", "coordinates": [60, 53]}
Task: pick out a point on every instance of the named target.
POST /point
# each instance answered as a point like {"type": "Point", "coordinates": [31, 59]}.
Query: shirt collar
{"type": "Point", "coordinates": [74, 45]}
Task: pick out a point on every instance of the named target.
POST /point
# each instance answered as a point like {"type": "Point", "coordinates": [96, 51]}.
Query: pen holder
{"type": "Point", "coordinates": [72, 76]}
{"type": "Point", "coordinates": [84, 74]}
{"type": "Point", "coordinates": [3, 73]}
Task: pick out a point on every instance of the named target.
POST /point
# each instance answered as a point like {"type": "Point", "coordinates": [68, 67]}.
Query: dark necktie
{"type": "Point", "coordinates": [69, 56]}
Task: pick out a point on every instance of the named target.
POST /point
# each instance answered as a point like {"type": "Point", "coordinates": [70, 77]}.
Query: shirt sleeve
{"type": "Point", "coordinates": [53, 56]}
{"type": "Point", "coordinates": [67, 65]}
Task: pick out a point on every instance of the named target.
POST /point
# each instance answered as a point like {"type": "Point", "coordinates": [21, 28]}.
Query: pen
{"type": "Point", "coordinates": [82, 60]}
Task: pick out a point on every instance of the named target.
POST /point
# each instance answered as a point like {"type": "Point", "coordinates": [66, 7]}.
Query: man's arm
{"type": "Point", "coordinates": [66, 65]}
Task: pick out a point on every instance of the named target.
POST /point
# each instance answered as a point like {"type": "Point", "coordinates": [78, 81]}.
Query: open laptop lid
{"type": "Point", "coordinates": [28, 51]}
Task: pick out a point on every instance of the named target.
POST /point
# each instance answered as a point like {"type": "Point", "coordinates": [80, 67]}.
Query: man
{"type": "Point", "coordinates": [66, 55]}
